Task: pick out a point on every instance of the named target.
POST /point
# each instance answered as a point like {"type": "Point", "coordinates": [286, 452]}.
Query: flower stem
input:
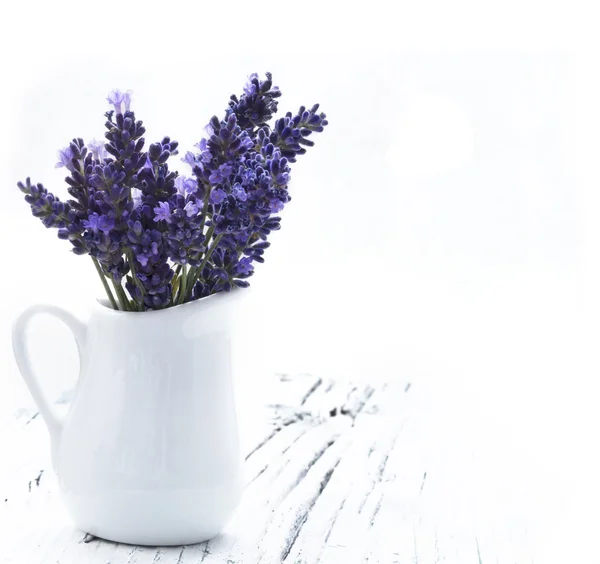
{"type": "Point", "coordinates": [176, 284]}
{"type": "Point", "coordinates": [182, 284]}
{"type": "Point", "coordinates": [136, 280]}
{"type": "Point", "coordinates": [105, 284]}
{"type": "Point", "coordinates": [209, 234]}
{"type": "Point", "coordinates": [123, 301]}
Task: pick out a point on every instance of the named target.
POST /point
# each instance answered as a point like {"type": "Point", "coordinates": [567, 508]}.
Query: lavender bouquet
{"type": "Point", "coordinates": [160, 238]}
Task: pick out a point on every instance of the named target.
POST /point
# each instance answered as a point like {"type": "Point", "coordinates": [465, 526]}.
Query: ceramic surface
{"type": "Point", "coordinates": [148, 452]}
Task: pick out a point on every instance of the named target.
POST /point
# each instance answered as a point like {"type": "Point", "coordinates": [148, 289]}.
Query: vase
{"type": "Point", "coordinates": [148, 453]}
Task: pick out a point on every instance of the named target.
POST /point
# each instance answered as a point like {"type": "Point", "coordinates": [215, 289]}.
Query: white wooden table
{"type": "Point", "coordinates": [336, 473]}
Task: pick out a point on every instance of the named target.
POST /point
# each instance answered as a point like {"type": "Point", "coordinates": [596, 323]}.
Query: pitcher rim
{"type": "Point", "coordinates": [103, 304]}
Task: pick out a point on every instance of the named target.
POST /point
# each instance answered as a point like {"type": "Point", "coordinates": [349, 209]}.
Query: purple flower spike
{"type": "Point", "coordinates": [143, 221]}
{"type": "Point", "coordinates": [65, 157]}
{"type": "Point", "coordinates": [116, 97]}
{"type": "Point", "coordinates": [163, 212]}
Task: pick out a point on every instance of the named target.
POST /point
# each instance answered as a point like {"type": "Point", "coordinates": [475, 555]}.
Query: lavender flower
{"type": "Point", "coordinates": [162, 212]}
{"type": "Point", "coordinates": [119, 99]}
{"type": "Point", "coordinates": [205, 154]}
{"type": "Point", "coordinates": [116, 97]}
{"type": "Point", "coordinates": [291, 132]}
{"type": "Point", "coordinates": [258, 103]}
{"type": "Point", "coordinates": [244, 266]}
{"type": "Point", "coordinates": [185, 185]}
{"type": "Point", "coordinates": [65, 158]}
{"type": "Point", "coordinates": [191, 208]}
{"type": "Point", "coordinates": [96, 223]}
{"type": "Point", "coordinates": [217, 196]}
{"type": "Point", "coordinates": [137, 218]}
{"type": "Point", "coordinates": [125, 142]}
{"type": "Point", "coordinates": [189, 159]}
{"type": "Point", "coordinates": [127, 99]}
{"type": "Point", "coordinates": [251, 87]}
{"type": "Point", "coordinates": [185, 238]}
{"type": "Point", "coordinates": [239, 193]}
{"type": "Point", "coordinates": [44, 205]}
{"type": "Point", "coordinates": [151, 285]}
{"type": "Point", "coordinates": [221, 174]}
{"type": "Point", "coordinates": [98, 150]}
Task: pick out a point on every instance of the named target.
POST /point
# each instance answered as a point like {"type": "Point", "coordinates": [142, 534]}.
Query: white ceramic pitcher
{"type": "Point", "coordinates": [148, 452]}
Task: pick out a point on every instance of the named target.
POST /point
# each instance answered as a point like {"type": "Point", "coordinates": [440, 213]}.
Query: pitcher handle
{"type": "Point", "coordinates": [19, 343]}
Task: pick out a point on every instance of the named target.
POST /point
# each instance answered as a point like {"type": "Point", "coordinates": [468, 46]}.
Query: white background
{"type": "Point", "coordinates": [442, 231]}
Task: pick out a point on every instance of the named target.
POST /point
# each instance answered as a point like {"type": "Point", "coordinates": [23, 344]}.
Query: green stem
{"type": "Point", "coordinates": [182, 284]}
{"type": "Point", "coordinates": [123, 301]}
{"type": "Point", "coordinates": [105, 284]}
{"type": "Point", "coordinates": [136, 280]}
{"type": "Point", "coordinates": [176, 285]}
{"type": "Point", "coordinates": [209, 235]}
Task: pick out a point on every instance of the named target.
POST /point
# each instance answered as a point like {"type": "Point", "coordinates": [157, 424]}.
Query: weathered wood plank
{"type": "Point", "coordinates": [288, 519]}
{"type": "Point", "coordinates": [340, 501]}
{"type": "Point", "coordinates": [376, 435]}
{"type": "Point", "coordinates": [265, 494]}
{"type": "Point", "coordinates": [395, 506]}
{"type": "Point", "coordinates": [291, 390]}
{"type": "Point", "coordinates": [281, 440]}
